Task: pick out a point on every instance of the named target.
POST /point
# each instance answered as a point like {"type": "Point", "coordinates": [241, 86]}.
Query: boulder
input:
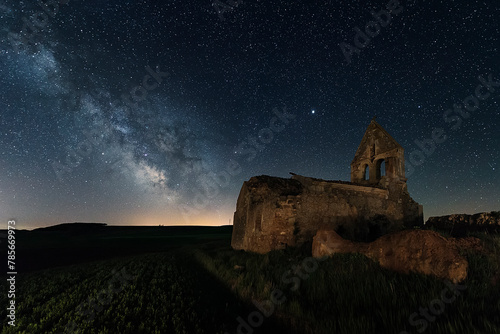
{"type": "Point", "coordinates": [419, 251]}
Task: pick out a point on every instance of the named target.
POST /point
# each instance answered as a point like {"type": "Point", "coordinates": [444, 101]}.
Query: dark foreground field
{"type": "Point", "coordinates": [189, 280]}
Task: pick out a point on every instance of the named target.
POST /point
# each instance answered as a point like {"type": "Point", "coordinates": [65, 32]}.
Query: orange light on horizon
{"type": "Point", "coordinates": [209, 218]}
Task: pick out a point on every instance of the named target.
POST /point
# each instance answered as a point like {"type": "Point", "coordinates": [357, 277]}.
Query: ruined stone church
{"type": "Point", "coordinates": [274, 213]}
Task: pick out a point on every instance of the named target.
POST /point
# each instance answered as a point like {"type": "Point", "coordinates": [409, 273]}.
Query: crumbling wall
{"type": "Point", "coordinates": [274, 213]}
{"type": "Point", "coordinates": [377, 146]}
{"type": "Point", "coordinates": [265, 214]}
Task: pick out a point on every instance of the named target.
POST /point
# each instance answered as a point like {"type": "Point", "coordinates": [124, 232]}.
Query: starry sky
{"type": "Point", "coordinates": [151, 112]}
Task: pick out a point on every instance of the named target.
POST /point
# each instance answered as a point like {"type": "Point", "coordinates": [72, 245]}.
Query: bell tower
{"type": "Point", "coordinates": [379, 159]}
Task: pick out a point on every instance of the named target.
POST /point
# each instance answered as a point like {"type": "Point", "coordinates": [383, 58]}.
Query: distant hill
{"type": "Point", "coordinates": [70, 227]}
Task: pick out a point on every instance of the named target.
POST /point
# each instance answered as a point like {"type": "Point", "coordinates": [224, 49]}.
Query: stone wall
{"type": "Point", "coordinates": [273, 213]}
{"type": "Point", "coordinates": [264, 212]}
{"type": "Point", "coordinates": [377, 147]}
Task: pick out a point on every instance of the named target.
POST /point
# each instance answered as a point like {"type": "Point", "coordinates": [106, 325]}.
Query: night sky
{"type": "Point", "coordinates": [148, 112]}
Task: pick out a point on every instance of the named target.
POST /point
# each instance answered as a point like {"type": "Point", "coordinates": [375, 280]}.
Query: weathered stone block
{"type": "Point", "coordinates": [420, 251]}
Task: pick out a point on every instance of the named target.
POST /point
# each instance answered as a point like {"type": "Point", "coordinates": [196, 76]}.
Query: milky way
{"type": "Point", "coordinates": [146, 113]}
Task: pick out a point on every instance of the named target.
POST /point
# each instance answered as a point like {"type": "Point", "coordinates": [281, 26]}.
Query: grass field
{"type": "Point", "coordinates": [189, 280]}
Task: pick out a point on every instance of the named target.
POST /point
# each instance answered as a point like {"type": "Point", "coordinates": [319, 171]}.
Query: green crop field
{"type": "Point", "coordinates": [189, 280]}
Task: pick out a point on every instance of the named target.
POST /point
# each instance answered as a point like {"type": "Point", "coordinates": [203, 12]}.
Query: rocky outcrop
{"type": "Point", "coordinates": [458, 224]}
{"type": "Point", "coordinates": [420, 251]}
